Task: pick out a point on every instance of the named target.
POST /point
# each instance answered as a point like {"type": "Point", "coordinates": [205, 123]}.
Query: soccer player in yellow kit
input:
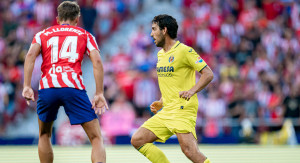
{"type": "Point", "coordinates": [176, 66]}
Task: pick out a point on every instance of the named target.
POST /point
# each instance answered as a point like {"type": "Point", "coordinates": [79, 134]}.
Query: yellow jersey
{"type": "Point", "coordinates": [176, 72]}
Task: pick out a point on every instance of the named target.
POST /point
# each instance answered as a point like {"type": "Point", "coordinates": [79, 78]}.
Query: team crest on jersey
{"type": "Point", "coordinates": [199, 60]}
{"type": "Point", "coordinates": [171, 59]}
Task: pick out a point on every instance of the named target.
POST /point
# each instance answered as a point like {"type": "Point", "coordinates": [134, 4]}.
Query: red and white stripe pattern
{"type": "Point", "coordinates": [61, 80]}
{"type": "Point", "coordinates": [64, 72]}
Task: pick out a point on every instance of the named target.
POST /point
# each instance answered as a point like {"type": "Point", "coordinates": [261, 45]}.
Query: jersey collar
{"type": "Point", "coordinates": [176, 44]}
{"type": "Point", "coordinates": [173, 47]}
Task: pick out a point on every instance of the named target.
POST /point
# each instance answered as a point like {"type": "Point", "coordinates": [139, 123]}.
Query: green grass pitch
{"type": "Point", "coordinates": [126, 154]}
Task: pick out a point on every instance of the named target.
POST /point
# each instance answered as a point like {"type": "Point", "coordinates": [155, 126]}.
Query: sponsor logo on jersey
{"type": "Point", "coordinates": [55, 69]}
{"type": "Point", "coordinates": [68, 69]}
{"type": "Point", "coordinates": [165, 75]}
{"type": "Point", "coordinates": [58, 69]}
{"type": "Point", "coordinates": [165, 71]}
{"type": "Point", "coordinates": [199, 60]}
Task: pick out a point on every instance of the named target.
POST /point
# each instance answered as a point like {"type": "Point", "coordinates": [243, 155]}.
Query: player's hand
{"type": "Point", "coordinates": [99, 104]}
{"type": "Point", "coordinates": [186, 94]}
{"type": "Point", "coordinates": [28, 94]}
{"type": "Point", "coordinates": [156, 106]}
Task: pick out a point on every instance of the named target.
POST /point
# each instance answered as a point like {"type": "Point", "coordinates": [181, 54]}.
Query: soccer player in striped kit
{"type": "Point", "coordinates": [62, 48]}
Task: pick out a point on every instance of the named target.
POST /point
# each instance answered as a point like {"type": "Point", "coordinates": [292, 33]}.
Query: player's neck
{"type": "Point", "coordinates": [168, 44]}
{"type": "Point", "coordinates": [68, 22]}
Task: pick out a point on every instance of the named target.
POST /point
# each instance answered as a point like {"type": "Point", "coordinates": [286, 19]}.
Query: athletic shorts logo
{"type": "Point", "coordinates": [171, 59]}
{"type": "Point", "coordinates": [199, 60]}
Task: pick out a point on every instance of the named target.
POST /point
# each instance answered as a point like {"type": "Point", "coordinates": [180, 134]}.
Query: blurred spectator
{"type": "Point", "coordinates": [292, 104]}
{"type": "Point", "coordinates": [44, 11]}
{"type": "Point", "coordinates": [272, 8]}
{"type": "Point", "coordinates": [89, 15]}
{"type": "Point", "coordinates": [214, 110]}
{"type": "Point", "coordinates": [121, 62]}
{"type": "Point", "coordinates": [119, 119]}
{"type": "Point", "coordinates": [204, 38]}
{"type": "Point", "coordinates": [145, 92]}
{"type": "Point", "coordinates": [251, 104]}
{"type": "Point", "coordinates": [71, 135]}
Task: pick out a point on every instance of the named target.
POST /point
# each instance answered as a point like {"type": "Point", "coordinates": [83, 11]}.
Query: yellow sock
{"type": "Point", "coordinates": [153, 153]}
{"type": "Point", "coordinates": [207, 161]}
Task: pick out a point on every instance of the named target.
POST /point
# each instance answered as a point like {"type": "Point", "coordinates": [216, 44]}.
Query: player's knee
{"type": "Point", "coordinates": [94, 137]}
{"type": "Point", "coordinates": [45, 133]}
{"type": "Point", "coordinates": [133, 140]}
{"type": "Point", "coordinates": [136, 141]}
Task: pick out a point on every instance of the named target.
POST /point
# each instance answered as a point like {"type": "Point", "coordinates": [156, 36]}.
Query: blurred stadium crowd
{"type": "Point", "coordinates": [252, 46]}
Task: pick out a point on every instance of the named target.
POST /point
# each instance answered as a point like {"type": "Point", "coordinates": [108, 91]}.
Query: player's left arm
{"type": "Point", "coordinates": [196, 62]}
{"type": "Point", "coordinates": [206, 77]}
{"type": "Point", "coordinates": [33, 52]}
{"type": "Point", "coordinates": [99, 103]}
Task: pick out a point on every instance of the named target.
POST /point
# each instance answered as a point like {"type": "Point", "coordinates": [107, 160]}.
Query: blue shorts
{"type": "Point", "coordinates": [75, 102]}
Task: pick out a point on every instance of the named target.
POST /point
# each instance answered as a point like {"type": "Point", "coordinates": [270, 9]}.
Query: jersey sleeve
{"type": "Point", "coordinates": [37, 38]}
{"type": "Point", "coordinates": [194, 60]}
{"type": "Point", "coordinates": [91, 43]}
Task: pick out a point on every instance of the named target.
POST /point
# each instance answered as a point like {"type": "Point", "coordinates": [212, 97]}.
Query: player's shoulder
{"type": "Point", "coordinates": [41, 32]}
{"type": "Point", "coordinates": [50, 28]}
{"type": "Point", "coordinates": [45, 31]}
{"type": "Point", "coordinates": [185, 48]}
{"type": "Point", "coordinates": [81, 29]}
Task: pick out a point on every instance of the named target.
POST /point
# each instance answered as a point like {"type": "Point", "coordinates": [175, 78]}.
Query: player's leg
{"type": "Point", "coordinates": [143, 140]}
{"type": "Point", "coordinates": [92, 129]}
{"type": "Point", "coordinates": [152, 130]}
{"type": "Point", "coordinates": [44, 146]}
{"type": "Point", "coordinates": [79, 110]}
{"type": "Point", "coordinates": [141, 137]}
{"type": "Point", "coordinates": [189, 147]}
{"type": "Point", "coordinates": [47, 108]}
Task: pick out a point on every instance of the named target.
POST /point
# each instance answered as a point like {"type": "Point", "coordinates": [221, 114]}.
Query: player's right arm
{"type": "Point", "coordinates": [33, 52]}
{"type": "Point", "coordinates": [156, 106]}
{"type": "Point", "coordinates": [99, 102]}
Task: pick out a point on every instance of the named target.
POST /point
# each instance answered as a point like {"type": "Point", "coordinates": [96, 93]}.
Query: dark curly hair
{"type": "Point", "coordinates": [167, 21]}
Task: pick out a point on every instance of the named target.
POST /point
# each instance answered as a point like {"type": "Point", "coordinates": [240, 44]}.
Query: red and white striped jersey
{"type": "Point", "coordinates": [62, 49]}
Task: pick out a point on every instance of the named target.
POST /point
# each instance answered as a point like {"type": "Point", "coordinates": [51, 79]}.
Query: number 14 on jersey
{"type": "Point", "coordinates": [67, 50]}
